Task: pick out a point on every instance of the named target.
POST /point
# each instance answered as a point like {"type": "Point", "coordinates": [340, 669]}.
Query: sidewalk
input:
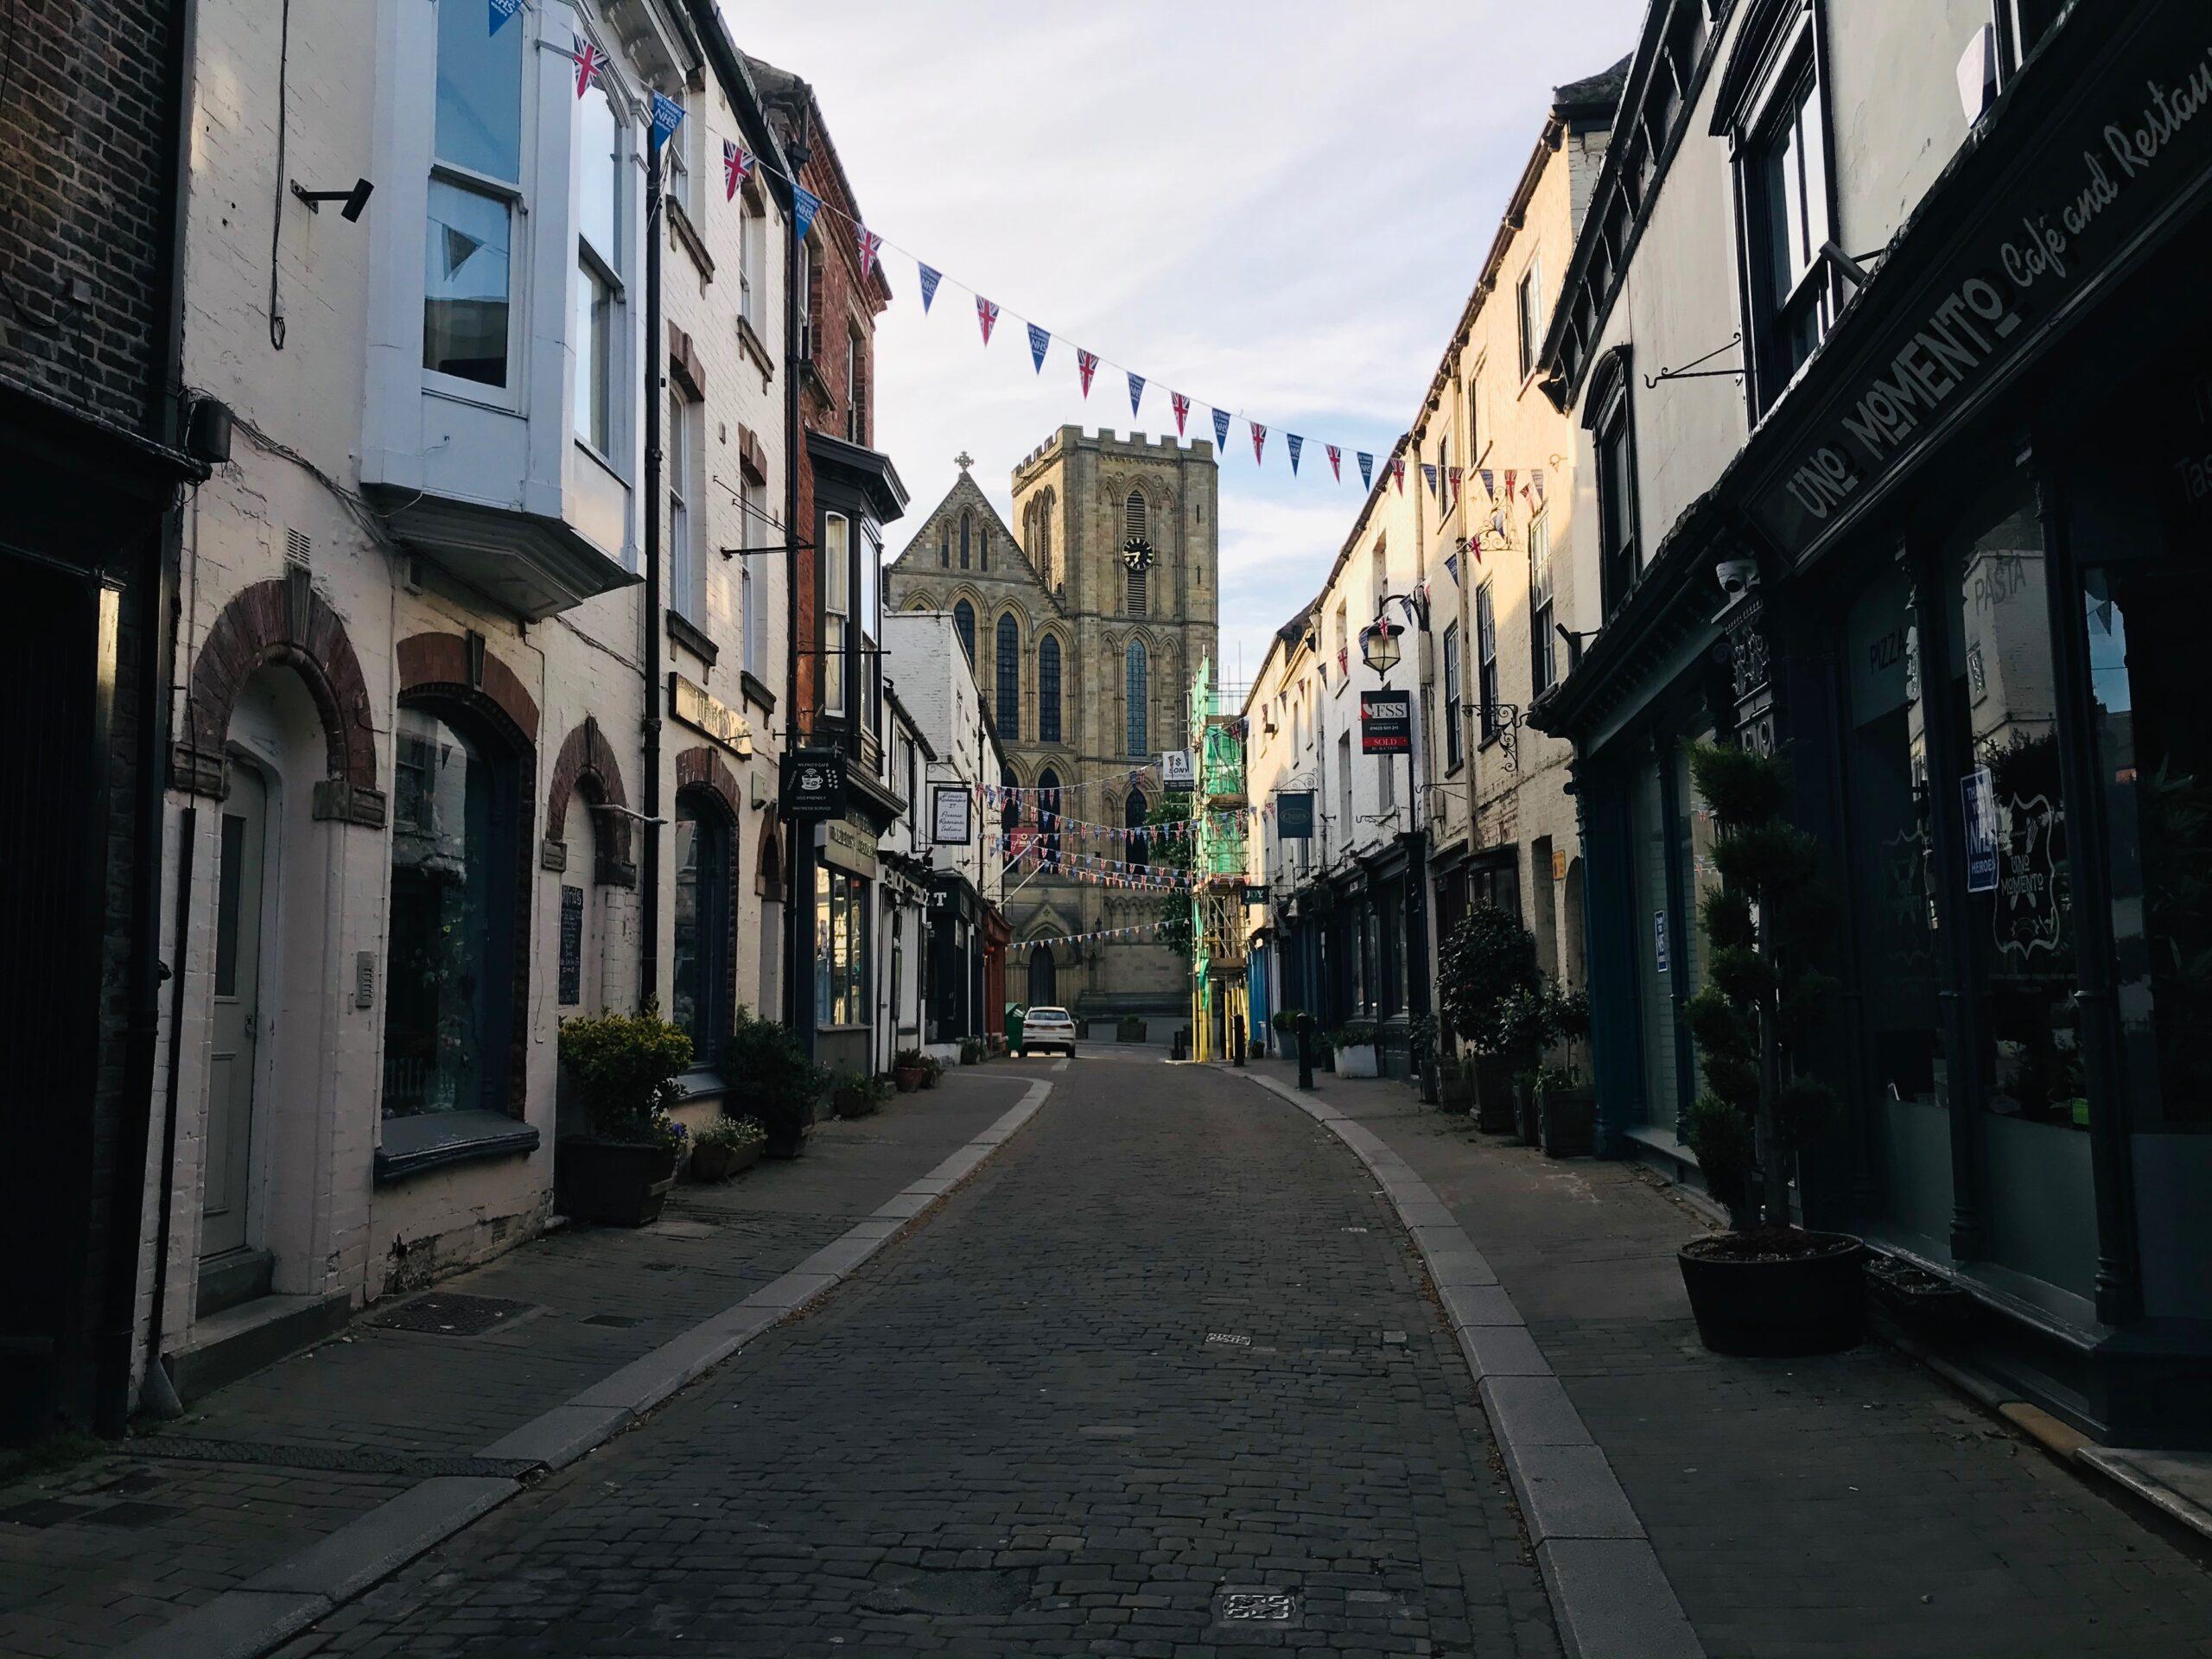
{"type": "Point", "coordinates": [123, 1544]}
{"type": "Point", "coordinates": [1847, 1507]}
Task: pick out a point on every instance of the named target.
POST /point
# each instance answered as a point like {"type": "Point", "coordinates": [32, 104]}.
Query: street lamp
{"type": "Point", "coordinates": [1380, 650]}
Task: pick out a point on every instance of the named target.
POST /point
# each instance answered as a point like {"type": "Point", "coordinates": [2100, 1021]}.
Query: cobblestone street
{"type": "Point", "coordinates": [1169, 1347]}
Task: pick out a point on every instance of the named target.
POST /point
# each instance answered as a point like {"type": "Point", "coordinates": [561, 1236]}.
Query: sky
{"type": "Point", "coordinates": [1275, 208]}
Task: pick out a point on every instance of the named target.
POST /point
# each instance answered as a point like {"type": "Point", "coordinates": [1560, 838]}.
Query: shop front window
{"type": "Point", "coordinates": [702, 940]}
{"type": "Point", "coordinates": [839, 948]}
{"type": "Point", "coordinates": [447, 1010]}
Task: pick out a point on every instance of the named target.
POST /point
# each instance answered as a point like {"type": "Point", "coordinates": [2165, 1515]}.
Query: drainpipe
{"type": "Point", "coordinates": [798, 865]}
{"type": "Point", "coordinates": [656, 622]}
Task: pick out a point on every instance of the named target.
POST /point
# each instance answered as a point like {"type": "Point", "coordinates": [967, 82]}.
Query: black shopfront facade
{"type": "Point", "coordinates": [1981, 526]}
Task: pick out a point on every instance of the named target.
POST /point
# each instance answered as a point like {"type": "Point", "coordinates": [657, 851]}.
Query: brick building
{"type": "Point", "coordinates": [91, 440]}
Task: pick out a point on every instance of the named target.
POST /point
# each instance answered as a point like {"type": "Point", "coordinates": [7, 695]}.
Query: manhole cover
{"type": "Point", "coordinates": [1230, 1338]}
{"type": "Point", "coordinates": [1276, 1607]}
{"type": "Point", "coordinates": [451, 1315]}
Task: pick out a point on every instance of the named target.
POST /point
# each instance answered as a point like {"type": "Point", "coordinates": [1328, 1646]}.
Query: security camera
{"type": "Point", "coordinates": [1736, 576]}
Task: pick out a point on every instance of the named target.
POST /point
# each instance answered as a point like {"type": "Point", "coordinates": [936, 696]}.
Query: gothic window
{"type": "Point", "coordinates": [1048, 812]}
{"type": "Point", "coordinates": [1048, 690]}
{"type": "Point", "coordinates": [1134, 811]}
{"type": "Point", "coordinates": [964, 619]}
{"type": "Point", "coordinates": [944, 547]}
{"type": "Point", "coordinates": [1008, 666]}
{"type": "Point", "coordinates": [983, 547]}
{"type": "Point", "coordinates": [1135, 520]}
{"type": "Point", "coordinates": [1136, 593]}
{"type": "Point", "coordinates": [1138, 732]}
{"type": "Point", "coordinates": [963, 542]}
{"type": "Point", "coordinates": [1010, 813]}
{"type": "Point", "coordinates": [1044, 537]}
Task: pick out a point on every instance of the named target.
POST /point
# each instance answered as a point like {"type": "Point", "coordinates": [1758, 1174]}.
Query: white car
{"type": "Point", "coordinates": [1048, 1028]}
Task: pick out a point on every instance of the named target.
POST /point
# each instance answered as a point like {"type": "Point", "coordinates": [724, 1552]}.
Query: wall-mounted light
{"type": "Point", "coordinates": [356, 199]}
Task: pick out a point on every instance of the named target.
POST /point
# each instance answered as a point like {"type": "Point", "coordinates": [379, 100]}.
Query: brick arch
{"type": "Point", "coordinates": [463, 666]}
{"type": "Point", "coordinates": [768, 875]}
{"type": "Point", "coordinates": [283, 622]}
{"type": "Point", "coordinates": [701, 767]}
{"type": "Point", "coordinates": [586, 761]}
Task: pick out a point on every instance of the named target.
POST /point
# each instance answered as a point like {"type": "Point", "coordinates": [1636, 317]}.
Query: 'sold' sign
{"type": "Point", "coordinates": [1386, 721]}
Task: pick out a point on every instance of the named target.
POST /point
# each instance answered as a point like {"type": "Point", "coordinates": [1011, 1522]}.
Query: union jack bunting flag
{"type": "Point", "coordinates": [1336, 462]}
{"type": "Point", "coordinates": [987, 317]}
{"type": "Point", "coordinates": [870, 246]}
{"type": "Point", "coordinates": [1509, 484]}
{"type": "Point", "coordinates": [1086, 364]}
{"type": "Point", "coordinates": [1398, 473]}
{"type": "Point", "coordinates": [1182, 406]}
{"type": "Point", "coordinates": [1259, 439]}
{"type": "Point", "coordinates": [1457, 474]}
{"type": "Point", "coordinates": [737, 161]}
{"type": "Point", "coordinates": [589, 62]}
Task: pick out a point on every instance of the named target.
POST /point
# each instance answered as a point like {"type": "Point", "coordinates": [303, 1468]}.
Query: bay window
{"type": "Point", "coordinates": [599, 287]}
{"type": "Point", "coordinates": [475, 186]}
{"type": "Point", "coordinates": [836, 608]}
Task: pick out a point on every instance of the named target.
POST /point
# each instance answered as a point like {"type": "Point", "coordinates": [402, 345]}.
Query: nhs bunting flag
{"type": "Point", "coordinates": [668, 115]}
{"type": "Point", "coordinates": [931, 278]}
{"type": "Point", "coordinates": [501, 10]}
{"type": "Point", "coordinates": [870, 245]}
{"type": "Point", "coordinates": [1039, 342]}
{"type": "Point", "coordinates": [1296, 444]}
{"type": "Point", "coordinates": [589, 60]}
{"type": "Point", "coordinates": [1221, 431]}
{"type": "Point", "coordinates": [804, 204]}
{"type": "Point", "coordinates": [987, 317]}
{"type": "Point", "coordinates": [1366, 470]}
{"type": "Point", "coordinates": [1136, 391]}
{"type": "Point", "coordinates": [1259, 442]}
{"type": "Point", "coordinates": [1536, 474]}
{"type": "Point", "coordinates": [1086, 364]}
{"type": "Point", "coordinates": [1428, 476]}
{"type": "Point", "coordinates": [737, 161]}
{"type": "Point", "coordinates": [1336, 462]}
{"type": "Point", "coordinates": [1182, 410]}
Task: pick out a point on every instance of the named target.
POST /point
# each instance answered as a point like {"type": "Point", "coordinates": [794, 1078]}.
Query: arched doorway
{"type": "Point", "coordinates": [1044, 978]}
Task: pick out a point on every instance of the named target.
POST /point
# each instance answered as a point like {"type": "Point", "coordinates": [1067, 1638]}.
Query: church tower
{"type": "Point", "coordinates": [1086, 622]}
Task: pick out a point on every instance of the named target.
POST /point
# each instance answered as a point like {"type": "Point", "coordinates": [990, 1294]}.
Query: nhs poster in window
{"type": "Point", "coordinates": [1978, 800]}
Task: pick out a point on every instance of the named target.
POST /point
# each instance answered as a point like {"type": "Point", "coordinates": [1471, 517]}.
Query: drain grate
{"type": "Point", "coordinates": [448, 1314]}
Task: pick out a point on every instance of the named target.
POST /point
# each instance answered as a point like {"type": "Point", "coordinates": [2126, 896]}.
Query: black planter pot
{"type": "Point", "coordinates": [1524, 1111]}
{"type": "Point", "coordinates": [1497, 1105]}
{"type": "Point", "coordinates": [1567, 1121]}
{"type": "Point", "coordinates": [614, 1183]}
{"type": "Point", "coordinates": [1778, 1310]}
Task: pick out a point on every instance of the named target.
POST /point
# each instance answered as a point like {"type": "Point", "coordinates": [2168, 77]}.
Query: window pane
{"type": "Point", "coordinates": [1139, 733]}
{"type": "Point", "coordinates": [594, 365]}
{"type": "Point", "coordinates": [1009, 678]}
{"type": "Point", "coordinates": [465, 285]}
{"type": "Point", "coordinates": [963, 619]}
{"type": "Point", "coordinates": [479, 123]}
{"type": "Point", "coordinates": [836, 562]}
{"type": "Point", "coordinates": [833, 665]}
{"type": "Point", "coordinates": [438, 979]}
{"type": "Point", "coordinates": [598, 174]}
{"type": "Point", "coordinates": [684, 1002]}
{"type": "Point", "coordinates": [1048, 690]}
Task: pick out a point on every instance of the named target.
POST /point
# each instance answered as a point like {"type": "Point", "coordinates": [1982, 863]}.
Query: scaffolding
{"type": "Point", "coordinates": [1219, 1004]}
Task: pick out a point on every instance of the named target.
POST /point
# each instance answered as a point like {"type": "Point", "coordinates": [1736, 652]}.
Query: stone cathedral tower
{"type": "Point", "coordinates": [1084, 656]}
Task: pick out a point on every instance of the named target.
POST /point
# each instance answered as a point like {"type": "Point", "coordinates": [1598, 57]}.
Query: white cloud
{"type": "Point", "coordinates": [1283, 205]}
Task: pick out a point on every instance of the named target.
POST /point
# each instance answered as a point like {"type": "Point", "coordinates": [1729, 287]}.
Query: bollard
{"type": "Point", "coordinates": [1306, 1053]}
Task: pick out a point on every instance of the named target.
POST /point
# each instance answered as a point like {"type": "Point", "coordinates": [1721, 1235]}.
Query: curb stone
{"type": "Point", "coordinates": [276, 1604]}
{"type": "Point", "coordinates": [1610, 1597]}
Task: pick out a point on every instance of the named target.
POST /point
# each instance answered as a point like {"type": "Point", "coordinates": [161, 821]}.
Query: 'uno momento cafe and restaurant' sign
{"type": "Point", "coordinates": [2049, 203]}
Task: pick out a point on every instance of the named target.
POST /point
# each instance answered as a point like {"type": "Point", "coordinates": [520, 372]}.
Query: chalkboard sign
{"type": "Point", "coordinates": [572, 946]}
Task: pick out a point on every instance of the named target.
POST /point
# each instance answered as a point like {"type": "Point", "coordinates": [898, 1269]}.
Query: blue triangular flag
{"type": "Point", "coordinates": [668, 115]}
{"type": "Point", "coordinates": [1136, 391]}
{"type": "Point", "coordinates": [1366, 470]}
{"type": "Point", "coordinates": [931, 278]}
{"type": "Point", "coordinates": [1038, 339]}
{"type": "Point", "coordinates": [804, 204]}
{"type": "Point", "coordinates": [501, 10]}
{"type": "Point", "coordinates": [1221, 431]}
{"type": "Point", "coordinates": [1428, 476]}
{"type": "Point", "coordinates": [1296, 444]}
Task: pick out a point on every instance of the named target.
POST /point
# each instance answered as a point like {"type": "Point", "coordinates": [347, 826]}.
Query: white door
{"type": "Point", "coordinates": [238, 974]}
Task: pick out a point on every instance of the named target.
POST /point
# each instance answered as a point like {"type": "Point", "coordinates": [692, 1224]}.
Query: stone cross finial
{"type": "Point", "coordinates": [963, 461]}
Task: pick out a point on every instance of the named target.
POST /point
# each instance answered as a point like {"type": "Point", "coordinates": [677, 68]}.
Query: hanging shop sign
{"type": "Point", "coordinates": [813, 784]}
{"type": "Point", "coordinates": [1176, 770]}
{"type": "Point", "coordinates": [2040, 219]}
{"type": "Point", "coordinates": [1386, 722]}
{"type": "Point", "coordinates": [849, 844]}
{"type": "Point", "coordinates": [691, 705]}
{"type": "Point", "coordinates": [952, 815]}
{"type": "Point", "coordinates": [1294, 814]}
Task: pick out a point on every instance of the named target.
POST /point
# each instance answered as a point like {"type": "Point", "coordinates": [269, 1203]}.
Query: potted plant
{"type": "Point", "coordinates": [1566, 1113]}
{"type": "Point", "coordinates": [725, 1147]}
{"type": "Point", "coordinates": [773, 1081]}
{"type": "Point", "coordinates": [971, 1051]}
{"type": "Point", "coordinates": [933, 1070]}
{"type": "Point", "coordinates": [906, 1070]}
{"type": "Point", "coordinates": [856, 1094]}
{"type": "Point", "coordinates": [625, 1067]}
{"type": "Point", "coordinates": [1766, 1286]}
{"type": "Point", "coordinates": [1129, 1029]}
{"type": "Point", "coordinates": [1455, 1088]}
{"type": "Point", "coordinates": [1355, 1048]}
{"type": "Point", "coordinates": [1487, 971]}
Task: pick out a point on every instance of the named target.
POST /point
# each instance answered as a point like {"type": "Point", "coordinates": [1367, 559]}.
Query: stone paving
{"type": "Point", "coordinates": [1850, 1507]}
{"type": "Point", "coordinates": [1161, 1379]}
{"type": "Point", "coordinates": [121, 1545]}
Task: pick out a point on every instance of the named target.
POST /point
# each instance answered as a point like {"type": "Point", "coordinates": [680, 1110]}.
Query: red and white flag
{"type": "Point", "coordinates": [870, 246]}
{"type": "Point", "coordinates": [987, 315]}
{"type": "Point", "coordinates": [1259, 440]}
{"type": "Point", "coordinates": [589, 62]}
{"type": "Point", "coordinates": [1398, 473]}
{"type": "Point", "coordinates": [1086, 364]}
{"type": "Point", "coordinates": [737, 161]}
{"type": "Point", "coordinates": [1182, 410]}
{"type": "Point", "coordinates": [1508, 485]}
{"type": "Point", "coordinates": [1336, 461]}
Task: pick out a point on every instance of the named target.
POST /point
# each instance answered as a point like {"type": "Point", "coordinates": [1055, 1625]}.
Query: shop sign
{"type": "Point", "coordinates": [849, 844]}
{"type": "Point", "coordinates": [1386, 722]}
{"type": "Point", "coordinates": [951, 815]}
{"type": "Point", "coordinates": [691, 705]}
{"type": "Point", "coordinates": [2081, 188]}
{"type": "Point", "coordinates": [1977, 802]}
{"type": "Point", "coordinates": [813, 784]}
{"type": "Point", "coordinates": [1294, 814]}
{"type": "Point", "coordinates": [1659, 940]}
{"type": "Point", "coordinates": [572, 946]}
{"type": "Point", "coordinates": [1177, 770]}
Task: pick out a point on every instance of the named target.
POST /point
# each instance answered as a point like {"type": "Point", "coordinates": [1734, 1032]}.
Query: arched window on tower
{"type": "Point", "coordinates": [1008, 670]}
{"type": "Point", "coordinates": [983, 547]}
{"type": "Point", "coordinates": [1136, 522]}
{"type": "Point", "coordinates": [1048, 690]}
{"type": "Point", "coordinates": [964, 532]}
{"type": "Point", "coordinates": [1044, 537]}
{"type": "Point", "coordinates": [1134, 811]}
{"type": "Point", "coordinates": [943, 547]}
{"type": "Point", "coordinates": [1048, 813]}
{"type": "Point", "coordinates": [964, 619]}
{"type": "Point", "coordinates": [1137, 729]}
